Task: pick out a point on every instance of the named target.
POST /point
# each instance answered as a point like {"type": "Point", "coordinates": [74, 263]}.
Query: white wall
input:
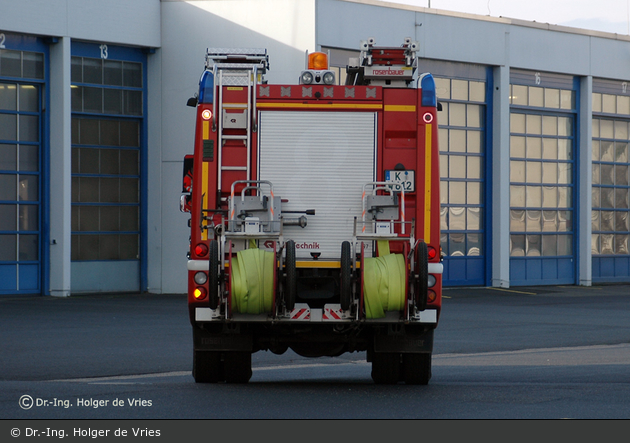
{"type": "Point", "coordinates": [60, 162]}
{"type": "Point", "coordinates": [451, 36]}
{"type": "Point", "coordinates": [130, 22]}
{"type": "Point", "coordinates": [286, 28]}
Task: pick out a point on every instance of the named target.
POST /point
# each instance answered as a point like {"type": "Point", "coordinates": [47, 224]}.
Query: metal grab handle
{"type": "Point", "coordinates": [237, 182]}
{"type": "Point", "coordinates": [232, 208]}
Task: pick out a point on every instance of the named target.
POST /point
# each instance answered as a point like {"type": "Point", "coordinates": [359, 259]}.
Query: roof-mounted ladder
{"type": "Point", "coordinates": [236, 67]}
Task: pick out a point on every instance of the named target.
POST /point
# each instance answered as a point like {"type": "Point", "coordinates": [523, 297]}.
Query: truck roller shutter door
{"type": "Point", "coordinates": [318, 160]}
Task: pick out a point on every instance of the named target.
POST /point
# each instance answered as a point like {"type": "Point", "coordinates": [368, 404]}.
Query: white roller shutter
{"type": "Point", "coordinates": [318, 160]}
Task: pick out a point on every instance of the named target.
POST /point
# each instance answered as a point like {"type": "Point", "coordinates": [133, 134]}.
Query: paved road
{"type": "Point", "coordinates": [552, 352]}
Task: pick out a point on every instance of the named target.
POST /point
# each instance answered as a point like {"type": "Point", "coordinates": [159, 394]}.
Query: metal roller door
{"type": "Point", "coordinates": [318, 160]}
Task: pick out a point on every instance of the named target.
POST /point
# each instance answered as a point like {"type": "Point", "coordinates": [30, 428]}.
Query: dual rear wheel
{"type": "Point", "coordinates": [217, 366]}
{"type": "Point", "coordinates": [393, 367]}
{"type": "Point", "coordinates": [421, 281]}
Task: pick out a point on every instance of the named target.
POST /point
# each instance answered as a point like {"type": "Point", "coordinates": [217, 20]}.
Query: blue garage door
{"type": "Point", "coordinates": [108, 145]}
{"type": "Point", "coordinates": [22, 61]}
{"type": "Point", "coordinates": [611, 190]}
{"type": "Point", "coordinates": [462, 91]}
{"type": "Point", "coordinates": [542, 197]}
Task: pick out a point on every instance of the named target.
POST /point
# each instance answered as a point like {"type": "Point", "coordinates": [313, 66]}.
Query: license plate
{"type": "Point", "coordinates": [406, 178]}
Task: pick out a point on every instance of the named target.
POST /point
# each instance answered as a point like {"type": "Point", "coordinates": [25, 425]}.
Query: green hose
{"type": "Point", "coordinates": [384, 282]}
{"type": "Point", "coordinates": [252, 281]}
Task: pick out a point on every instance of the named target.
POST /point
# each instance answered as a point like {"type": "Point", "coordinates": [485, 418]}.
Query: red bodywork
{"type": "Point", "coordinates": [404, 129]}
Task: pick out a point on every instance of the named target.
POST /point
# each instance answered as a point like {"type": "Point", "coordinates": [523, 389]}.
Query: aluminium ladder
{"type": "Point", "coordinates": [240, 68]}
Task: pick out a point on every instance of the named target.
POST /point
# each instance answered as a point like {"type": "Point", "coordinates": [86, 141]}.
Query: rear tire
{"type": "Point", "coordinates": [345, 291]}
{"type": "Point", "coordinates": [422, 281]}
{"type": "Point", "coordinates": [386, 368]}
{"type": "Point", "coordinates": [417, 369]}
{"type": "Point", "coordinates": [213, 274]}
{"type": "Point", "coordinates": [207, 367]}
{"type": "Point", "coordinates": [290, 283]}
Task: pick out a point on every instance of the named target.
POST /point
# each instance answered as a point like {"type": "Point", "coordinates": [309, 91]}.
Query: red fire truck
{"type": "Point", "coordinates": [314, 213]}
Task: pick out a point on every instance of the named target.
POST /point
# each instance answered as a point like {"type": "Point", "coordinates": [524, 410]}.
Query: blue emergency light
{"type": "Point", "coordinates": [206, 87]}
{"type": "Point", "coordinates": [427, 84]}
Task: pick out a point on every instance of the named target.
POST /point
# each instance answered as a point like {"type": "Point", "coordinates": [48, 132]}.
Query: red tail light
{"type": "Point", "coordinates": [432, 252]}
{"type": "Point", "coordinates": [201, 250]}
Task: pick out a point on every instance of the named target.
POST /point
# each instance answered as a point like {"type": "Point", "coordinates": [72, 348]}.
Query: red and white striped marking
{"type": "Point", "coordinates": [301, 314]}
{"type": "Point", "coordinates": [332, 314]}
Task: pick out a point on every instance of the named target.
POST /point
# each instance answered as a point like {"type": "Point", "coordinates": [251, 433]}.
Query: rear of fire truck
{"type": "Point", "coordinates": [314, 214]}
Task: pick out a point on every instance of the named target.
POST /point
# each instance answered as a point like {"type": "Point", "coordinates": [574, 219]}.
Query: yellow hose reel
{"type": "Point", "coordinates": [384, 282]}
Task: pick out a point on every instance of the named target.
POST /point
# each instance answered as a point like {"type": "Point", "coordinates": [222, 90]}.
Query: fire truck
{"type": "Point", "coordinates": [314, 213]}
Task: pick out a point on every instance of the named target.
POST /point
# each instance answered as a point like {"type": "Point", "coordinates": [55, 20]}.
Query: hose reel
{"type": "Point", "coordinates": [384, 278]}
{"type": "Point", "coordinates": [252, 281]}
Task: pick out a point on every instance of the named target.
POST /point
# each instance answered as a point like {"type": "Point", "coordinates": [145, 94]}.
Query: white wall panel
{"type": "Point", "coordinates": [284, 27]}
{"type": "Point", "coordinates": [128, 22]}
{"type": "Point", "coordinates": [175, 239]}
{"type": "Point", "coordinates": [458, 37]}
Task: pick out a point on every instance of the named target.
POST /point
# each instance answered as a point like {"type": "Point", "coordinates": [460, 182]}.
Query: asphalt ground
{"type": "Point", "coordinates": [49, 338]}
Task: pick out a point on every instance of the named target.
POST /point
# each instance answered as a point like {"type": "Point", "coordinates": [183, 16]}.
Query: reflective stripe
{"type": "Point", "coordinates": [400, 108]}
{"type": "Point", "coordinates": [427, 183]}
{"type": "Point", "coordinates": [204, 187]}
{"type": "Point", "coordinates": [318, 264]}
{"type": "Point", "coordinates": [374, 106]}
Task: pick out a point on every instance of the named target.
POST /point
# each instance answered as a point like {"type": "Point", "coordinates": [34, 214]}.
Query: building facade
{"type": "Point", "coordinates": [534, 135]}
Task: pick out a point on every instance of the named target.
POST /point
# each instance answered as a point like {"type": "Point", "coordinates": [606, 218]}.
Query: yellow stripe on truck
{"type": "Point", "coordinates": [400, 108]}
{"type": "Point", "coordinates": [204, 190]}
{"type": "Point", "coordinates": [205, 135]}
{"type": "Point", "coordinates": [427, 183]}
{"type": "Point", "coordinates": [374, 106]}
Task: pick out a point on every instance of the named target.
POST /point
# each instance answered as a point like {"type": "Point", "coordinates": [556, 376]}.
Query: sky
{"type": "Point", "coordinates": [599, 15]}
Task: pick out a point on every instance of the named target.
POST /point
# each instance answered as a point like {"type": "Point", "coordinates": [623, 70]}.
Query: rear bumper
{"type": "Point", "coordinates": [302, 313]}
